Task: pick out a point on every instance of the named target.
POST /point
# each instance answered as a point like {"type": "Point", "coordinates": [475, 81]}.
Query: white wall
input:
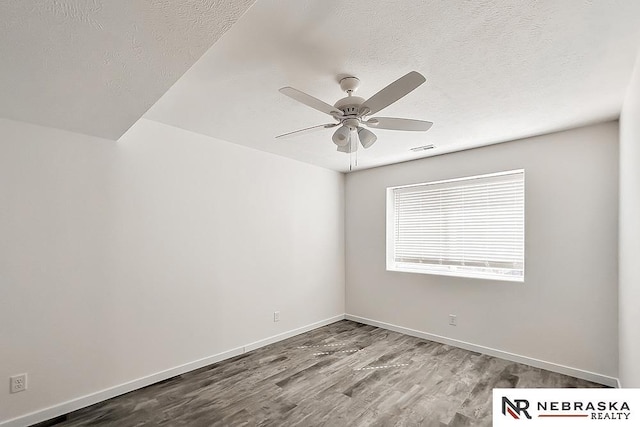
{"type": "Point", "coordinates": [56, 223]}
{"type": "Point", "coordinates": [120, 260]}
{"type": "Point", "coordinates": [630, 234]}
{"type": "Point", "coordinates": [566, 311]}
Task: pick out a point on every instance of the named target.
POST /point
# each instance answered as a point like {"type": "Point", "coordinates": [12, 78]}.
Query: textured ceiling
{"type": "Point", "coordinates": [96, 66]}
{"type": "Point", "coordinates": [496, 71]}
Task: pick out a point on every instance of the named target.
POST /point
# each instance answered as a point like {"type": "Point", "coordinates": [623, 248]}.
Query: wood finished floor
{"type": "Point", "coordinates": [343, 374]}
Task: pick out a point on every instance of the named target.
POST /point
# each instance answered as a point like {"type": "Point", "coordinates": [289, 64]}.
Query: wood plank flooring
{"type": "Point", "coordinates": [344, 374]}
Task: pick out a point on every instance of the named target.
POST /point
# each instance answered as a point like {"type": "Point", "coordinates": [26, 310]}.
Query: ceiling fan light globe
{"type": "Point", "coordinates": [367, 138]}
{"type": "Point", "coordinates": [341, 136]}
{"type": "Point", "coordinates": [349, 148]}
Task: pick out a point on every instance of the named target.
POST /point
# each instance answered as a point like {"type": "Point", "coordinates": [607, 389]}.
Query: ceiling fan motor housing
{"type": "Point", "coordinates": [349, 105]}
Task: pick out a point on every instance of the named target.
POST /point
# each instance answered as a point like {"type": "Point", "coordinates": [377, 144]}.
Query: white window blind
{"type": "Point", "coordinates": [470, 227]}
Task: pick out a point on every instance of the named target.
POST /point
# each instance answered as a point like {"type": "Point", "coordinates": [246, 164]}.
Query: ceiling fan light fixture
{"type": "Point", "coordinates": [341, 136]}
{"type": "Point", "coordinates": [351, 147]}
{"type": "Point", "coordinates": [367, 138]}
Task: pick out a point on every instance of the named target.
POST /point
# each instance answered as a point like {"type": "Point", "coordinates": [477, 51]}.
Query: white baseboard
{"type": "Point", "coordinates": [550, 366]}
{"type": "Point", "coordinates": [292, 333]}
{"type": "Point", "coordinates": [91, 399]}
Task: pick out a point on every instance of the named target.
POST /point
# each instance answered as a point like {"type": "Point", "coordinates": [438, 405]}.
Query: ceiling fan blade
{"type": "Point", "coordinates": [306, 130]}
{"type": "Point", "coordinates": [395, 123]}
{"type": "Point", "coordinates": [310, 101]}
{"type": "Point", "coordinates": [393, 92]}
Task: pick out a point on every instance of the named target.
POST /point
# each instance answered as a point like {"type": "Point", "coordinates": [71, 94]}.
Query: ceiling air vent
{"type": "Point", "coordinates": [422, 148]}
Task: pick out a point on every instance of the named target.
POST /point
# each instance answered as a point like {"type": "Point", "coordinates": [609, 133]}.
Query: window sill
{"type": "Point", "coordinates": [466, 275]}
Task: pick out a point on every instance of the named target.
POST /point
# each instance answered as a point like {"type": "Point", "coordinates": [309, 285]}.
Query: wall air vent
{"type": "Point", "coordinates": [422, 148]}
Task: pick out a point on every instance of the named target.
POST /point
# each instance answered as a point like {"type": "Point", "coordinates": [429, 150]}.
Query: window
{"type": "Point", "coordinates": [468, 227]}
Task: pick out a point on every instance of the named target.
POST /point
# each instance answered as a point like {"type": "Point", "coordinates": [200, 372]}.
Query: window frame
{"type": "Point", "coordinates": [447, 270]}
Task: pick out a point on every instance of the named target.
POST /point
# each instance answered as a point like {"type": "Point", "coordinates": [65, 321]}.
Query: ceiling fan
{"type": "Point", "coordinates": [352, 113]}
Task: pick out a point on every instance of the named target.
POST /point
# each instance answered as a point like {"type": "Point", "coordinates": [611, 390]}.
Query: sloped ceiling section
{"type": "Point", "coordinates": [96, 66]}
{"type": "Point", "coordinates": [496, 70]}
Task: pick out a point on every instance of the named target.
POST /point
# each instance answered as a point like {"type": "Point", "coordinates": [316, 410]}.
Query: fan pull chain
{"type": "Point", "coordinates": [353, 162]}
{"type": "Point", "coordinates": [350, 159]}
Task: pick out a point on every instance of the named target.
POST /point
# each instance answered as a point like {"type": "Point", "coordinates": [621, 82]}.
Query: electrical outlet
{"type": "Point", "coordinates": [18, 383]}
{"type": "Point", "coordinates": [453, 320]}
{"type": "Point", "coordinates": [276, 316]}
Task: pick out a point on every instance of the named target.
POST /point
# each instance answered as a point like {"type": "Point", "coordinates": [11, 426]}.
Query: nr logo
{"type": "Point", "coordinates": [516, 409]}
